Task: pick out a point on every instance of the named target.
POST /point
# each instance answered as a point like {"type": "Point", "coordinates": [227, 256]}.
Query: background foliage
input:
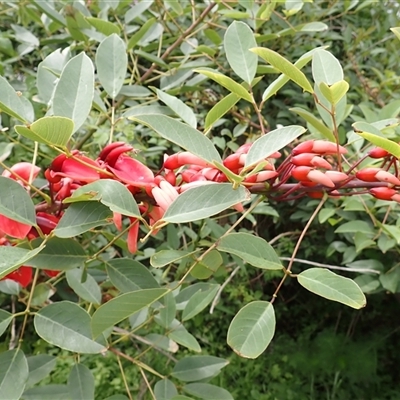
{"type": "Point", "coordinates": [322, 349]}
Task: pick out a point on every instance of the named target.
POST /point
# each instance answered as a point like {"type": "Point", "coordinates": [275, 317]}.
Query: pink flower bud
{"type": "Point", "coordinates": [378, 152]}
{"type": "Point", "coordinates": [319, 177]}
{"type": "Point", "coordinates": [336, 176]}
{"type": "Point", "coordinates": [311, 160]}
{"type": "Point", "coordinates": [383, 193]}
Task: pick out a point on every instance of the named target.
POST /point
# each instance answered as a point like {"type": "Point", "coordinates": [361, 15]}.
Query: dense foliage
{"type": "Point", "coordinates": [175, 175]}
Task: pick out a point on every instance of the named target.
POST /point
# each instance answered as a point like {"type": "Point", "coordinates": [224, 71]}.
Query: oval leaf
{"type": "Point", "coordinates": [272, 142]}
{"type": "Point", "coordinates": [165, 390]}
{"type": "Point", "coordinates": [88, 289]}
{"type": "Point", "coordinates": [181, 134]}
{"type": "Point", "coordinates": [81, 383]}
{"type": "Point", "coordinates": [55, 131]}
{"type": "Point", "coordinates": [13, 257]}
{"type": "Point", "coordinates": [66, 325]}
{"type": "Point", "coordinates": [252, 329]}
{"type": "Point", "coordinates": [74, 92]}
{"type": "Point", "coordinates": [112, 63]}
{"type": "Point", "coordinates": [220, 109]}
{"type": "Point", "coordinates": [13, 374]}
{"type": "Point", "coordinates": [334, 287]}
{"type": "Point", "coordinates": [5, 319]}
{"type": "Point", "coordinates": [389, 145]}
{"type": "Point", "coordinates": [80, 217]}
{"type": "Point", "coordinates": [58, 255]}
{"type": "Point", "coordinates": [11, 103]}
{"type": "Point", "coordinates": [252, 249]}
{"type": "Point", "coordinates": [238, 39]}
{"type": "Point", "coordinates": [178, 107]}
{"type": "Point", "coordinates": [226, 82]}
{"type": "Point", "coordinates": [326, 68]}
{"type": "Point", "coordinates": [199, 301]}
{"type": "Point", "coordinates": [111, 193]}
{"type": "Point", "coordinates": [15, 202]}
{"type": "Point", "coordinates": [196, 368]}
{"type": "Point", "coordinates": [122, 307]}
{"type": "Point", "coordinates": [207, 392]}
{"type": "Point", "coordinates": [128, 275]}
{"type": "Point", "coordinates": [40, 366]}
{"type": "Point", "coordinates": [284, 66]}
{"type": "Point", "coordinates": [204, 201]}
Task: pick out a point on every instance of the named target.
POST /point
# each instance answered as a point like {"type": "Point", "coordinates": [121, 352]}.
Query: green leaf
{"type": "Point", "coordinates": [284, 66]}
{"type": "Point", "coordinates": [58, 255]}
{"type": "Point", "coordinates": [81, 217]}
{"type": "Point", "coordinates": [112, 63]}
{"type": "Point", "coordinates": [74, 92]}
{"type": "Point", "coordinates": [13, 374]}
{"type": "Point", "coordinates": [391, 280]}
{"type": "Point", "coordinates": [11, 103]}
{"type": "Point", "coordinates": [15, 202]}
{"type": "Point", "coordinates": [137, 36]}
{"type": "Point", "coordinates": [389, 145]}
{"type": "Point", "coordinates": [40, 366]}
{"type": "Point", "coordinates": [128, 275]}
{"type": "Point", "coordinates": [207, 392]}
{"type": "Point", "coordinates": [12, 258]}
{"type": "Point", "coordinates": [220, 109]}
{"type": "Point", "coordinates": [164, 390]}
{"type": "Point", "coordinates": [105, 27]}
{"type": "Point", "coordinates": [355, 226]}
{"type": "Point", "coordinates": [208, 265]}
{"type": "Point", "coordinates": [47, 9]}
{"type": "Point", "coordinates": [181, 134]}
{"type": "Point", "coordinates": [180, 335]}
{"type": "Point", "coordinates": [66, 325]}
{"type": "Point", "coordinates": [326, 68]}
{"type": "Point", "coordinates": [81, 383]}
{"type": "Point", "coordinates": [238, 39]}
{"type": "Point", "coordinates": [334, 287]}
{"type": "Point", "coordinates": [167, 312]}
{"type": "Point", "coordinates": [55, 131]}
{"type": "Point", "coordinates": [88, 290]}
{"type": "Point", "coordinates": [226, 82]}
{"type": "Point", "coordinates": [204, 201]}
{"type": "Point", "coordinates": [41, 293]}
{"type": "Point", "coordinates": [196, 368]}
{"type": "Point", "coordinates": [199, 301]}
{"type": "Point", "coordinates": [252, 249]}
{"type": "Point", "coordinates": [252, 329]}
{"type": "Point", "coordinates": [5, 319]}
{"type": "Point", "coordinates": [334, 93]}
{"type": "Point", "coordinates": [111, 193]}
{"type": "Point", "coordinates": [315, 122]}
{"type": "Point", "coordinates": [48, 392]}
{"type": "Point", "coordinates": [396, 31]}
{"type": "Point", "coordinates": [278, 83]}
{"type": "Point", "coordinates": [122, 307]}
{"type": "Point", "coordinates": [272, 142]}
{"type": "Point", "coordinates": [178, 107]}
{"type": "Point", "coordinates": [166, 257]}
{"type": "Point", "coordinates": [162, 342]}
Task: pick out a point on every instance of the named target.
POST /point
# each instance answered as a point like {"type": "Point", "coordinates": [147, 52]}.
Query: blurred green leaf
{"type": "Point", "coordinates": [13, 374]}
{"type": "Point", "coordinates": [197, 368]}
{"type": "Point", "coordinates": [81, 383]}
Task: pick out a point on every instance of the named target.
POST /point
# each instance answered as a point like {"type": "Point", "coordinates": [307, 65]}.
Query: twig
{"type": "Point", "coordinates": [316, 264]}
{"type": "Point", "coordinates": [218, 295]}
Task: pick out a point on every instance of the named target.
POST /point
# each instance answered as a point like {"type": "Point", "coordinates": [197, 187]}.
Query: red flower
{"type": "Point", "coordinates": [22, 275]}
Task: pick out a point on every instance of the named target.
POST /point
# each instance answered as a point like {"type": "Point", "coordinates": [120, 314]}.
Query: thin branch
{"type": "Point", "coordinates": [223, 286]}
{"type": "Point", "coordinates": [328, 266]}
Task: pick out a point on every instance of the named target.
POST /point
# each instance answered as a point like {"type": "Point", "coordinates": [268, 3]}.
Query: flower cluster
{"type": "Point", "coordinates": [315, 166]}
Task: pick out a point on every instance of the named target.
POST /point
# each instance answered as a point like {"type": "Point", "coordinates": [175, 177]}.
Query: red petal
{"type": "Point", "coordinates": [133, 236]}
{"type": "Point", "coordinates": [13, 228]}
{"type": "Point", "coordinates": [23, 275]}
{"type": "Point", "coordinates": [50, 273]}
{"type": "Point", "coordinates": [132, 171]}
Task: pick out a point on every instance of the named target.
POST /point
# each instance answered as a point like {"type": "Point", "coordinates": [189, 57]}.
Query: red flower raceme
{"type": "Point", "coordinates": [22, 170]}
{"type": "Point", "coordinates": [23, 275]}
